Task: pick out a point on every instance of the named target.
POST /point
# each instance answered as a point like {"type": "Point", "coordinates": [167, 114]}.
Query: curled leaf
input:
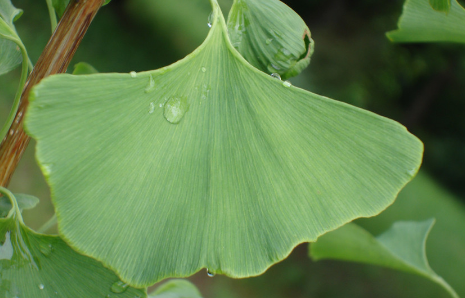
{"type": "Point", "coordinates": [271, 36]}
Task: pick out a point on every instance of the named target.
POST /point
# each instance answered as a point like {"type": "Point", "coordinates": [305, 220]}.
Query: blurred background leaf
{"type": "Point", "coordinates": [420, 85]}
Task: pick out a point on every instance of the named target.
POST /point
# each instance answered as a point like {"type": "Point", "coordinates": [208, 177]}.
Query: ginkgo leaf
{"type": "Point", "coordinates": [43, 266]}
{"type": "Point", "coordinates": [402, 247]}
{"type": "Point", "coordinates": [83, 68]}
{"type": "Point", "coordinates": [10, 52]}
{"type": "Point", "coordinates": [176, 288]}
{"type": "Point", "coordinates": [209, 163]}
{"type": "Point", "coordinates": [421, 23]}
{"type": "Point", "coordinates": [440, 5]}
{"type": "Point", "coordinates": [24, 202]}
{"type": "Point", "coordinates": [270, 36]}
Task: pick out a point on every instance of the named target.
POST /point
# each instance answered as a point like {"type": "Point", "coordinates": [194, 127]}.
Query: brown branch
{"type": "Point", "coordinates": [54, 59]}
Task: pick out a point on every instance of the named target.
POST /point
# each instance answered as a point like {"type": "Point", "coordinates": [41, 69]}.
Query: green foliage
{"type": "Point", "coordinates": [421, 199]}
{"type": "Point", "coordinates": [204, 156]}
{"type": "Point", "coordinates": [421, 23]}
{"type": "Point", "coordinates": [9, 41]}
{"type": "Point", "coordinates": [176, 288]}
{"type": "Point", "coordinates": [402, 247]}
{"type": "Point", "coordinates": [440, 5]}
{"type": "Point", "coordinates": [36, 265]}
{"type": "Point", "coordinates": [60, 6]}
{"type": "Point", "coordinates": [83, 68]}
{"type": "Point", "coordinates": [274, 45]}
{"type": "Point", "coordinates": [24, 202]}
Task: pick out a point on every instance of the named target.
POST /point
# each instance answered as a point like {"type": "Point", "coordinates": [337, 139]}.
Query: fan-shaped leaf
{"type": "Point", "coordinates": [176, 289]}
{"type": "Point", "coordinates": [208, 163]}
{"type": "Point", "coordinates": [421, 23]}
{"type": "Point", "coordinates": [35, 265]}
{"type": "Point", "coordinates": [402, 247]}
{"type": "Point", "coordinates": [271, 36]}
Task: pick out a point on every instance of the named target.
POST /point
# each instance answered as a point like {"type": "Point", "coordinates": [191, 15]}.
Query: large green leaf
{"type": "Point", "coordinates": [402, 247]}
{"type": "Point", "coordinates": [36, 265]}
{"type": "Point", "coordinates": [177, 288]}
{"type": "Point", "coordinates": [421, 23]}
{"type": "Point", "coordinates": [10, 52]}
{"type": "Point", "coordinates": [209, 163]}
{"type": "Point", "coordinates": [271, 36]}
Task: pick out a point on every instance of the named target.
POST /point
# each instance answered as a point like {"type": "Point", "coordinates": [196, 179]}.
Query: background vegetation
{"type": "Point", "coordinates": [419, 85]}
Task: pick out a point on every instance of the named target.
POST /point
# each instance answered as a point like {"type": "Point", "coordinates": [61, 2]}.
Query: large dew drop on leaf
{"type": "Point", "coordinates": [43, 266]}
{"type": "Point", "coordinates": [208, 163]}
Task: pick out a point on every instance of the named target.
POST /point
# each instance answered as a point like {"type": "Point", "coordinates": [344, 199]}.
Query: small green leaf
{"type": "Point", "coordinates": [402, 247]}
{"type": "Point", "coordinates": [24, 202]}
{"type": "Point", "coordinates": [271, 36]}
{"type": "Point", "coordinates": [440, 5]}
{"type": "Point", "coordinates": [43, 266]}
{"type": "Point", "coordinates": [208, 163]}
{"type": "Point", "coordinates": [177, 288]}
{"type": "Point", "coordinates": [10, 52]}
{"type": "Point", "coordinates": [83, 68]}
{"type": "Point", "coordinates": [421, 23]}
{"type": "Point", "coordinates": [10, 55]}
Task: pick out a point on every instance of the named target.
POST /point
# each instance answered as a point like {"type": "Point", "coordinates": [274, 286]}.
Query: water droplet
{"type": "Point", "coordinates": [150, 85]}
{"type": "Point", "coordinates": [204, 69]}
{"type": "Point", "coordinates": [210, 274]}
{"type": "Point", "coordinates": [41, 286]}
{"type": "Point", "coordinates": [160, 105]}
{"type": "Point", "coordinates": [133, 74]}
{"type": "Point", "coordinates": [45, 248]}
{"type": "Point", "coordinates": [175, 108]}
{"type": "Point", "coordinates": [412, 172]}
{"type": "Point", "coordinates": [276, 76]}
{"type": "Point", "coordinates": [210, 20]}
{"type": "Point", "coordinates": [11, 132]}
{"type": "Point", "coordinates": [287, 84]}
{"type": "Point", "coordinates": [119, 287]}
{"type": "Point", "coordinates": [47, 169]}
{"type": "Point", "coordinates": [151, 108]}
{"type": "Point", "coordinates": [269, 40]}
{"type": "Point", "coordinates": [275, 66]}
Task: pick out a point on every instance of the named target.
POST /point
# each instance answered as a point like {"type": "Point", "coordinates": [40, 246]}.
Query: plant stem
{"type": "Point", "coordinates": [50, 223]}
{"type": "Point", "coordinates": [53, 15]}
{"type": "Point", "coordinates": [54, 59]}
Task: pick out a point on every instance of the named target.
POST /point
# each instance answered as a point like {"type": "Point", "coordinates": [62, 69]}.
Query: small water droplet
{"type": "Point", "coordinates": [160, 105]}
{"type": "Point", "coordinates": [151, 108]}
{"type": "Point", "coordinates": [41, 286]}
{"type": "Point", "coordinates": [150, 85]}
{"type": "Point", "coordinates": [210, 274]}
{"type": "Point", "coordinates": [269, 40]}
{"type": "Point", "coordinates": [133, 74]}
{"type": "Point", "coordinates": [11, 132]}
{"type": "Point", "coordinates": [204, 69]}
{"type": "Point", "coordinates": [287, 84]}
{"type": "Point", "coordinates": [45, 248]}
{"type": "Point", "coordinates": [210, 20]}
{"type": "Point", "coordinates": [412, 172]}
{"type": "Point", "coordinates": [175, 109]}
{"type": "Point", "coordinates": [47, 169]}
{"type": "Point", "coordinates": [275, 66]}
{"type": "Point", "coordinates": [119, 287]}
{"type": "Point", "coordinates": [276, 76]}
